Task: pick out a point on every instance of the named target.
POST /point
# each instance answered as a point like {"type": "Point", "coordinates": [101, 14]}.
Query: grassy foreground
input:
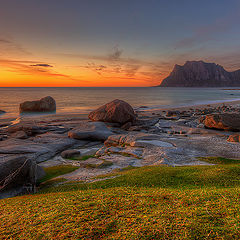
{"type": "Point", "coordinates": [200, 202]}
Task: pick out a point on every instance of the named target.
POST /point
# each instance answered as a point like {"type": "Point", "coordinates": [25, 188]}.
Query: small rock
{"type": "Point", "coordinates": [70, 153]}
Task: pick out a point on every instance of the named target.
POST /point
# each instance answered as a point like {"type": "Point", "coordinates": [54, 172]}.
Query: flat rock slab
{"type": "Point", "coordinates": [131, 151]}
{"type": "Point", "coordinates": [120, 161]}
{"type": "Point", "coordinates": [177, 151]}
{"type": "Point", "coordinates": [40, 148]}
{"type": "Point", "coordinates": [145, 143]}
{"type": "Point", "coordinates": [85, 174]}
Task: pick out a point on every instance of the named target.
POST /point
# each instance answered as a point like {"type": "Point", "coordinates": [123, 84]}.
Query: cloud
{"type": "Point", "coordinates": [131, 70]}
{"type": "Point", "coordinates": [4, 41]}
{"type": "Point", "coordinates": [22, 67]}
{"type": "Point", "coordinates": [116, 53]}
{"type": "Point", "coordinates": [8, 47]}
{"type": "Point", "coordinates": [41, 65]}
{"type": "Point", "coordinates": [94, 67]}
{"type": "Point", "coordinates": [210, 31]}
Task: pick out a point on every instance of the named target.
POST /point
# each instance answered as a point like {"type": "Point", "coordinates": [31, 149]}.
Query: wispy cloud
{"type": "Point", "coordinates": [4, 41]}
{"type": "Point", "coordinates": [41, 65]}
{"type": "Point", "coordinates": [23, 67]}
{"type": "Point", "coordinates": [116, 53]}
{"type": "Point", "coordinates": [8, 47]}
{"type": "Point", "coordinates": [210, 31]}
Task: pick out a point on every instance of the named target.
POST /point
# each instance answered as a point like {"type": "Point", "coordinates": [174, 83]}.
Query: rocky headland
{"type": "Point", "coordinates": [115, 136]}
{"type": "Point", "coordinates": [201, 74]}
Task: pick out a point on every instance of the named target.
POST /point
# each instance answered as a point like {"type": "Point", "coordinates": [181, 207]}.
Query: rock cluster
{"type": "Point", "coordinates": [172, 137]}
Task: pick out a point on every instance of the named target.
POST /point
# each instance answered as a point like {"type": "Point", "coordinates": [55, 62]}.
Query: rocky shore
{"type": "Point", "coordinates": [114, 137]}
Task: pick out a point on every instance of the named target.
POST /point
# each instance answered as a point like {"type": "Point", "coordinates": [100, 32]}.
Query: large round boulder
{"type": "Point", "coordinates": [116, 111]}
{"type": "Point", "coordinates": [223, 121]}
{"type": "Point", "coordinates": [46, 104]}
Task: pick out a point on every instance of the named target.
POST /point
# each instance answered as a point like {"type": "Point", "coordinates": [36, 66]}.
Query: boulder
{"type": "Point", "coordinates": [116, 111]}
{"type": "Point", "coordinates": [223, 121]}
{"type": "Point", "coordinates": [46, 104]}
{"type": "Point", "coordinates": [70, 153]}
{"type": "Point", "coordinates": [234, 138]}
{"type": "Point", "coordinates": [18, 172]}
{"type": "Point", "coordinates": [93, 131]}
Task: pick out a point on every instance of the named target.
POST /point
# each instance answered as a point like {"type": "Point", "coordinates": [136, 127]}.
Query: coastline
{"type": "Point", "coordinates": [160, 110]}
{"type": "Point", "coordinates": [146, 110]}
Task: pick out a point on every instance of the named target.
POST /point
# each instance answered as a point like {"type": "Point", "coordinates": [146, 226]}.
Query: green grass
{"type": "Point", "coordinates": [83, 158]}
{"type": "Point", "coordinates": [104, 164]}
{"type": "Point", "coordinates": [55, 171]}
{"type": "Point", "coordinates": [158, 202]}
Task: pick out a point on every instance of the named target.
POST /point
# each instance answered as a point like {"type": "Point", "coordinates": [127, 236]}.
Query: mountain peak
{"type": "Point", "coordinates": [201, 74]}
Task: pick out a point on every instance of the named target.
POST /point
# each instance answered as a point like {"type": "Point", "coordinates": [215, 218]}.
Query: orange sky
{"type": "Point", "coordinates": [81, 72]}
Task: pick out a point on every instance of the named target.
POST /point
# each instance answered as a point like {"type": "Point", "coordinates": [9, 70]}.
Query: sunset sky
{"type": "Point", "coordinates": [112, 43]}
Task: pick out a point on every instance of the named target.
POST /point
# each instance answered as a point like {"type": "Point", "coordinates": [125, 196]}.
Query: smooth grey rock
{"type": "Point", "coordinates": [96, 131]}
{"type": "Point", "coordinates": [70, 153]}
{"type": "Point", "coordinates": [40, 148]}
{"type": "Point", "coordinates": [145, 143]}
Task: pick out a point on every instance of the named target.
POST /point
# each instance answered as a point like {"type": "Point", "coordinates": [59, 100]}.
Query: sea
{"type": "Point", "coordinates": [79, 100]}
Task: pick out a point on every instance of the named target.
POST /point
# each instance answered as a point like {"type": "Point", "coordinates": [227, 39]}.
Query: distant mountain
{"type": "Point", "coordinates": [201, 74]}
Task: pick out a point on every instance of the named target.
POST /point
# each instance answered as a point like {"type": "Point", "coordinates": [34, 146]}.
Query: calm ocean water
{"type": "Point", "coordinates": [83, 100]}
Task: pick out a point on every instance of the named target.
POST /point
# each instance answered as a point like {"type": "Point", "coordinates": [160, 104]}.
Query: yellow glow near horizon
{"type": "Point", "coordinates": [20, 73]}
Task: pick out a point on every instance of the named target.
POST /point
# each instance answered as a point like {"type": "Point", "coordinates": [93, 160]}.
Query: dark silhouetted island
{"type": "Point", "coordinates": [201, 74]}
